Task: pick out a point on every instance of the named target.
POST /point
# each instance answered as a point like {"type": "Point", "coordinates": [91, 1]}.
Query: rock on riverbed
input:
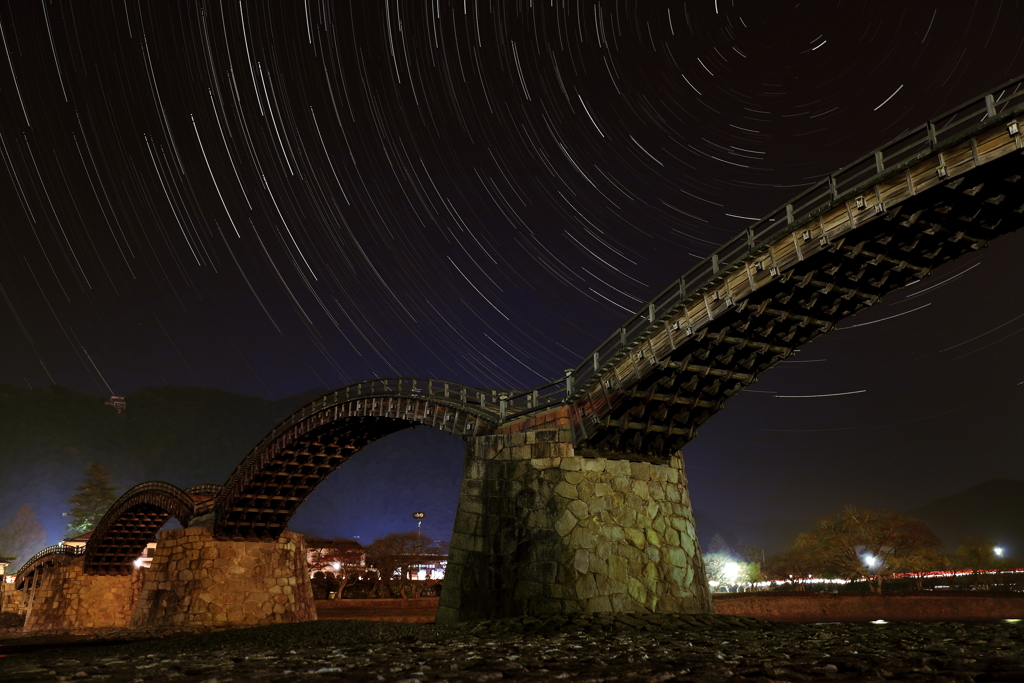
{"type": "Point", "coordinates": [625, 647]}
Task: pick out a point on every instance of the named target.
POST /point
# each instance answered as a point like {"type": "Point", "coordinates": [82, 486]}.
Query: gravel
{"type": "Point", "coordinates": [624, 647]}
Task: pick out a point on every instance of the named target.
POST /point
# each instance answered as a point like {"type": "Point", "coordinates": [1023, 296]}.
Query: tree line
{"type": "Point", "coordinates": [855, 544]}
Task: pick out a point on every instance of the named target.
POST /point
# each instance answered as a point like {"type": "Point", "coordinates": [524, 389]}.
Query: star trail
{"type": "Point", "coordinates": [269, 197]}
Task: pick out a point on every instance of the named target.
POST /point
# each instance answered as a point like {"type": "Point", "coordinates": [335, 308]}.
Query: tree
{"type": "Point", "coordinates": [395, 554]}
{"type": "Point", "coordinates": [22, 536]}
{"type": "Point", "coordinates": [91, 500]}
{"type": "Point", "coordinates": [725, 570]}
{"type": "Point", "coordinates": [868, 543]}
{"type": "Point", "coordinates": [975, 553]}
{"type": "Point", "coordinates": [792, 563]}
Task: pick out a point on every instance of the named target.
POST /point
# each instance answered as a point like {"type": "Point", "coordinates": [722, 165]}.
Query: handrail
{"type": "Point", "coordinates": [204, 490]}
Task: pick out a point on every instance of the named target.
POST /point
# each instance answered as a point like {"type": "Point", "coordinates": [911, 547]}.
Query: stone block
{"type": "Point", "coordinates": [676, 557]}
{"type": "Point", "coordinates": [686, 544]}
{"type": "Point", "coordinates": [641, 471]}
{"type": "Point", "coordinates": [622, 484]}
{"type": "Point", "coordinates": [572, 477]}
{"type": "Point", "coordinates": [622, 602]}
{"type": "Point", "coordinates": [618, 468]}
{"type": "Point", "coordinates": [636, 590]}
{"type": "Point", "coordinates": [578, 508]}
{"type": "Point", "coordinates": [565, 490]}
{"type": "Point", "coordinates": [618, 568]}
{"type": "Point", "coordinates": [583, 537]}
{"type": "Point", "coordinates": [593, 464]}
{"type": "Point", "coordinates": [571, 464]}
{"type": "Point", "coordinates": [635, 536]}
{"type": "Point", "coordinates": [565, 523]}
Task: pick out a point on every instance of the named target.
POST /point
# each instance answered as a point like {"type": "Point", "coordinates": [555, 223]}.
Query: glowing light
{"type": "Point", "coordinates": [879, 621]}
{"type": "Point", "coordinates": [871, 561]}
{"type": "Point", "coordinates": [337, 566]}
{"type": "Point", "coordinates": [998, 551]}
{"type": "Point", "coordinates": [138, 562]}
{"type": "Point", "coordinates": [732, 571]}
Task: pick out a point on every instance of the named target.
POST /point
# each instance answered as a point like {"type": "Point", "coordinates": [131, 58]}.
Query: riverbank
{"type": "Point", "coordinates": [586, 648]}
{"type": "Point", "coordinates": [924, 606]}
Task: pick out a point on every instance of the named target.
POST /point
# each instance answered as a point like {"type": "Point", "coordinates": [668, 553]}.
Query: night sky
{"type": "Point", "coordinates": [274, 197]}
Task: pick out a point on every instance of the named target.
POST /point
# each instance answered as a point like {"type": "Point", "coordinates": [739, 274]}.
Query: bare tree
{"type": "Point", "coordinates": [868, 544]}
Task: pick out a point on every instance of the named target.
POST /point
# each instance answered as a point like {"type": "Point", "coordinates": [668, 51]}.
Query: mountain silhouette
{"type": "Point", "coordinates": [993, 510]}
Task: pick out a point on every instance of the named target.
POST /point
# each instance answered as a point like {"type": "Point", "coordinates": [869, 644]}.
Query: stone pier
{"type": "Point", "coordinates": [543, 530]}
{"type": "Point", "coordinates": [67, 599]}
{"type": "Point", "coordinates": [196, 580]}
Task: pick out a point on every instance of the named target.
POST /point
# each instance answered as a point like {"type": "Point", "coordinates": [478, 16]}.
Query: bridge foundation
{"type": "Point", "coordinates": [65, 598]}
{"type": "Point", "coordinates": [196, 580]}
{"type": "Point", "coordinates": [542, 530]}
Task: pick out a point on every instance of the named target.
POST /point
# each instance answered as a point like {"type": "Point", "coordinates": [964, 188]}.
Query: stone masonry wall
{"type": "Point", "coordinates": [11, 600]}
{"type": "Point", "coordinates": [541, 531]}
{"type": "Point", "coordinates": [196, 580]}
{"type": "Point", "coordinates": [67, 599]}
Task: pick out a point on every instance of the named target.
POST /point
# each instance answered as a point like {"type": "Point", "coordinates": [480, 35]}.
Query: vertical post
{"type": "Point", "coordinates": [622, 335]}
{"type": "Point", "coordinates": [682, 288]}
{"type": "Point", "coordinates": [714, 261]}
{"type": "Point", "coordinates": [879, 166]}
{"type": "Point", "coordinates": [596, 365]}
{"type": "Point", "coordinates": [650, 313]}
{"type": "Point", "coordinates": [502, 406]}
{"type": "Point", "coordinates": [750, 239]}
{"type": "Point", "coordinates": [832, 187]}
{"type": "Point", "coordinates": [789, 213]}
{"type": "Point", "coordinates": [932, 138]}
{"type": "Point", "coordinates": [568, 382]}
{"type": "Point", "coordinates": [990, 105]}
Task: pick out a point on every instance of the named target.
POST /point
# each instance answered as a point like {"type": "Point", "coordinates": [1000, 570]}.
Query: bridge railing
{"type": "Point", "coordinates": [58, 549]}
{"type": "Point", "coordinates": [474, 399]}
{"type": "Point", "coordinates": [204, 489]}
{"type": "Point", "coordinates": [908, 148]}
{"type": "Point", "coordinates": [144, 487]}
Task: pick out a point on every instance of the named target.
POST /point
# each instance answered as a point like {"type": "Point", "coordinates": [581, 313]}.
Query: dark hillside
{"type": "Point", "coordinates": [993, 510]}
{"type": "Point", "coordinates": [183, 435]}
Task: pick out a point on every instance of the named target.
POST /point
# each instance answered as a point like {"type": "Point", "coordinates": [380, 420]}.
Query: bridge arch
{"type": "Point", "coordinates": [133, 520]}
{"type": "Point", "coordinates": [51, 556]}
{"type": "Point", "coordinates": [276, 476]}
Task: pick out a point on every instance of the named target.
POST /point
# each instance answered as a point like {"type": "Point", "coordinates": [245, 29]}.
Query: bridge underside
{"type": "Point", "coordinates": [263, 504]}
{"type": "Point", "coordinates": [126, 540]}
{"type": "Point", "coordinates": [663, 409]}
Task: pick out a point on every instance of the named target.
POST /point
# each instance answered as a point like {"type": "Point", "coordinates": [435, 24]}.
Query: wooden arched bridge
{"type": "Point", "coordinates": [884, 221]}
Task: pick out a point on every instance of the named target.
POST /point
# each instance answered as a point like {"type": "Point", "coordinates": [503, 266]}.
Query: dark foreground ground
{"type": "Point", "coordinates": [620, 648]}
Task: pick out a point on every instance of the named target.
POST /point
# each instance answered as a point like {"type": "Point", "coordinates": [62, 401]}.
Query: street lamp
{"type": "Point", "coordinates": [418, 516]}
{"type": "Point", "coordinates": [870, 561]}
{"type": "Point", "coordinates": [998, 551]}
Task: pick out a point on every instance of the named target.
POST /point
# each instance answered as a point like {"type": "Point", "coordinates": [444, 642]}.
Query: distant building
{"type": "Point", "coordinates": [118, 403]}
